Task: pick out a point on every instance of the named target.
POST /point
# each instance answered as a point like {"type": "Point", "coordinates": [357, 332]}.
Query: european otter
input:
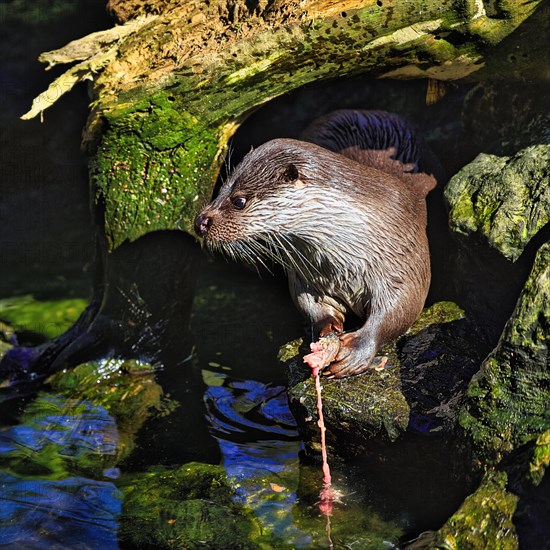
{"type": "Point", "coordinates": [347, 224]}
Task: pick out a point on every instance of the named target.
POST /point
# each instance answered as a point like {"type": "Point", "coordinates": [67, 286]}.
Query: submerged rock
{"type": "Point", "coordinates": [420, 389]}
{"type": "Point", "coordinates": [126, 388]}
{"type": "Point", "coordinates": [187, 507]}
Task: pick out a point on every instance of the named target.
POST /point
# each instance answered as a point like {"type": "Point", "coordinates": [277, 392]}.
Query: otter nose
{"type": "Point", "coordinates": [202, 224]}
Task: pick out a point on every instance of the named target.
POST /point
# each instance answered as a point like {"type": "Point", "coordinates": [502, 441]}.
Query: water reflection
{"type": "Point", "coordinates": [259, 445]}
{"type": "Point", "coordinates": [44, 502]}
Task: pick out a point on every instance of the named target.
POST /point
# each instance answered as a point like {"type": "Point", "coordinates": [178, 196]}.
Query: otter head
{"type": "Point", "coordinates": [255, 211]}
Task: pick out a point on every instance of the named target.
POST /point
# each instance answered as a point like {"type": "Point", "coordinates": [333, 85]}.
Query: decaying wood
{"type": "Point", "coordinates": [201, 67]}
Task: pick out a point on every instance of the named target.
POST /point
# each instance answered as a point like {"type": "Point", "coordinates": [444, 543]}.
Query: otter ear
{"type": "Point", "coordinates": [290, 173]}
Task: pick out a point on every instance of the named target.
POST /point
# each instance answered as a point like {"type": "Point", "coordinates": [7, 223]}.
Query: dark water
{"type": "Point", "coordinates": [67, 450]}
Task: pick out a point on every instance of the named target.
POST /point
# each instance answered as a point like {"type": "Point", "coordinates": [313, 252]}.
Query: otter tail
{"type": "Point", "coordinates": [379, 139]}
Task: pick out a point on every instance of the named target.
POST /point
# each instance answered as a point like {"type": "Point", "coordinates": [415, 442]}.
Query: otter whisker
{"type": "Point", "coordinates": [264, 250]}
{"type": "Point", "coordinates": [305, 267]}
{"type": "Point", "coordinates": [248, 251]}
{"type": "Point", "coordinates": [256, 256]}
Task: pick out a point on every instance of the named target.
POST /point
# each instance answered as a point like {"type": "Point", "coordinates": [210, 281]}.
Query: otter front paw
{"type": "Point", "coordinates": [354, 357]}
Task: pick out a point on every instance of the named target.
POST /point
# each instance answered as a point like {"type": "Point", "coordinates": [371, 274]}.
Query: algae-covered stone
{"type": "Point", "coordinates": [88, 423]}
{"type": "Point", "coordinates": [48, 317]}
{"type": "Point", "coordinates": [420, 388]}
{"type": "Point", "coordinates": [188, 507]}
{"type": "Point", "coordinates": [58, 438]}
{"type": "Point", "coordinates": [504, 199]}
{"type": "Point", "coordinates": [125, 388]}
{"type": "Point", "coordinates": [368, 407]}
{"type": "Point", "coordinates": [6, 334]}
{"type": "Point", "coordinates": [483, 521]}
{"type": "Point", "coordinates": [541, 458]}
{"type": "Point", "coordinates": [507, 401]}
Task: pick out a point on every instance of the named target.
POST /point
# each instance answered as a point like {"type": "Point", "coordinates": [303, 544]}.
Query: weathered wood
{"type": "Point", "coordinates": [175, 81]}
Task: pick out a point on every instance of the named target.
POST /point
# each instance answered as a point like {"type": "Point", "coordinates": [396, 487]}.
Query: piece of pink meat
{"type": "Point", "coordinates": [323, 352]}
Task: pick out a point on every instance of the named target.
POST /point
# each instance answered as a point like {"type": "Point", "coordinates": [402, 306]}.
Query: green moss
{"type": "Point", "coordinates": [188, 507]}
{"type": "Point", "coordinates": [50, 318]}
{"type": "Point", "coordinates": [152, 168]}
{"type": "Point", "coordinates": [504, 199]}
{"type": "Point", "coordinates": [125, 388]}
{"type": "Point", "coordinates": [56, 443]}
{"type": "Point", "coordinates": [440, 312]}
{"type": "Point", "coordinates": [541, 458]}
{"type": "Point", "coordinates": [290, 350]}
{"type": "Point", "coordinates": [484, 520]}
{"type": "Point", "coordinates": [507, 401]}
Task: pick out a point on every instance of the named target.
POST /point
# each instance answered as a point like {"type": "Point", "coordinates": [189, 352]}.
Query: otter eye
{"type": "Point", "coordinates": [290, 173]}
{"type": "Point", "coordinates": [238, 202]}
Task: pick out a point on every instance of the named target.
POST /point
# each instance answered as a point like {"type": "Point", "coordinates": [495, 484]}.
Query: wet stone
{"type": "Point", "coordinates": [419, 390]}
{"type": "Point", "coordinates": [484, 520]}
{"type": "Point", "coordinates": [507, 401]}
{"type": "Point", "coordinates": [504, 199]}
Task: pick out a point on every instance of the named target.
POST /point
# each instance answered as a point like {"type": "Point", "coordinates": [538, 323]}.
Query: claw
{"type": "Point", "coordinates": [379, 363]}
{"type": "Point", "coordinates": [328, 325]}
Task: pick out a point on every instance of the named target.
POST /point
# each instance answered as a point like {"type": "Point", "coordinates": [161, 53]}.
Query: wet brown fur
{"type": "Point", "coordinates": [352, 236]}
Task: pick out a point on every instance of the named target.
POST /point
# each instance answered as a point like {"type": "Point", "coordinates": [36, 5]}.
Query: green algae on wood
{"type": "Point", "coordinates": [507, 401]}
{"type": "Point", "coordinates": [217, 62]}
{"type": "Point", "coordinates": [151, 168]}
{"type": "Point", "coordinates": [504, 199]}
{"type": "Point", "coordinates": [50, 318]}
{"type": "Point", "coordinates": [484, 520]}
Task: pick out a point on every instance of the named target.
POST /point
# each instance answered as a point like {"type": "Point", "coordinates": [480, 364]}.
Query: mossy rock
{"type": "Point", "coordinates": [6, 334]}
{"type": "Point", "coordinates": [423, 389]}
{"type": "Point", "coordinates": [60, 438]}
{"type": "Point", "coordinates": [541, 458]}
{"type": "Point", "coordinates": [48, 317]}
{"type": "Point", "coordinates": [484, 520]}
{"type": "Point", "coordinates": [125, 388]}
{"type": "Point", "coordinates": [507, 401]}
{"type": "Point", "coordinates": [188, 507]}
{"type": "Point", "coordinates": [503, 199]}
